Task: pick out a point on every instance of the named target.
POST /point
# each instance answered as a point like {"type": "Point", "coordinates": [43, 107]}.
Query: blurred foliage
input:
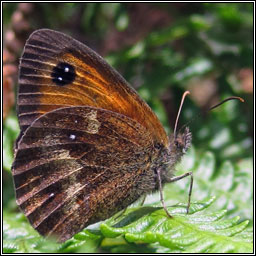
{"type": "Point", "coordinates": [162, 49]}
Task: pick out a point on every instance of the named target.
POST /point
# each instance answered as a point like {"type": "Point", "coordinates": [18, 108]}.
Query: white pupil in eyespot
{"type": "Point", "coordinates": [66, 69]}
{"type": "Point", "coordinates": [72, 136]}
{"type": "Point", "coordinates": [60, 78]}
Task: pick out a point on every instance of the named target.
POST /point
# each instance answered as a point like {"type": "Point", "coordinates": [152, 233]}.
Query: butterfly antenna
{"type": "Point", "coordinates": [178, 115]}
{"type": "Point", "coordinates": [213, 107]}
{"type": "Point", "coordinates": [227, 99]}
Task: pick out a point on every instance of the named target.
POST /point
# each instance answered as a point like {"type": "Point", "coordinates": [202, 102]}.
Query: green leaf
{"type": "Point", "coordinates": [20, 237]}
{"type": "Point", "coordinates": [197, 232]}
{"type": "Point", "coordinates": [144, 229]}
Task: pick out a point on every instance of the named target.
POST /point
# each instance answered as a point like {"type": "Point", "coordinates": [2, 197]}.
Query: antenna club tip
{"type": "Point", "coordinates": [237, 98]}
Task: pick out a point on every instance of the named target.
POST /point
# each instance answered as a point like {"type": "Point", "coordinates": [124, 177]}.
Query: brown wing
{"type": "Point", "coordinates": [58, 71]}
{"type": "Point", "coordinates": [77, 165]}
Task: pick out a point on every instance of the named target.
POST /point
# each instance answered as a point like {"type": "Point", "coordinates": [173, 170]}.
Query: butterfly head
{"type": "Point", "coordinates": [179, 144]}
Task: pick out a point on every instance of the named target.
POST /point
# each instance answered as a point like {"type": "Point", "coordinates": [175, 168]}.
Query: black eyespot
{"type": "Point", "coordinates": [63, 74]}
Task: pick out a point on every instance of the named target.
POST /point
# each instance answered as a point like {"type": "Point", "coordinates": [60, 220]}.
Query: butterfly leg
{"type": "Point", "coordinates": [161, 192]}
{"type": "Point", "coordinates": [173, 179]}
{"type": "Point", "coordinates": [143, 198]}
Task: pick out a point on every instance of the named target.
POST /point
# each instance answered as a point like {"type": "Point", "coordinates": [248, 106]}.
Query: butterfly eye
{"type": "Point", "coordinates": [177, 144]}
{"type": "Point", "coordinates": [63, 74]}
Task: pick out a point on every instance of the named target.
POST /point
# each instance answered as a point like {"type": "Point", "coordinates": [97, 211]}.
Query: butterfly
{"type": "Point", "coordinates": [89, 146]}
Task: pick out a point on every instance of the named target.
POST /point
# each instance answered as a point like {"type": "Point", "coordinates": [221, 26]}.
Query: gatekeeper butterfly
{"type": "Point", "coordinates": [89, 146]}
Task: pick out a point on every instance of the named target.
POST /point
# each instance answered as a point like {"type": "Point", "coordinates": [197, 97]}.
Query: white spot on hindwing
{"type": "Point", "coordinates": [72, 136]}
{"type": "Point", "coordinates": [51, 195]}
{"type": "Point", "coordinates": [93, 124]}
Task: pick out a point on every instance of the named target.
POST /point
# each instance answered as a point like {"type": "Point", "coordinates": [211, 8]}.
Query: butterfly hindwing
{"type": "Point", "coordinates": [69, 163]}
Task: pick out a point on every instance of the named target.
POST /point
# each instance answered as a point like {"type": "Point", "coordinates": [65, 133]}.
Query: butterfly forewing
{"type": "Point", "coordinates": [89, 80]}
{"type": "Point", "coordinates": [70, 163]}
